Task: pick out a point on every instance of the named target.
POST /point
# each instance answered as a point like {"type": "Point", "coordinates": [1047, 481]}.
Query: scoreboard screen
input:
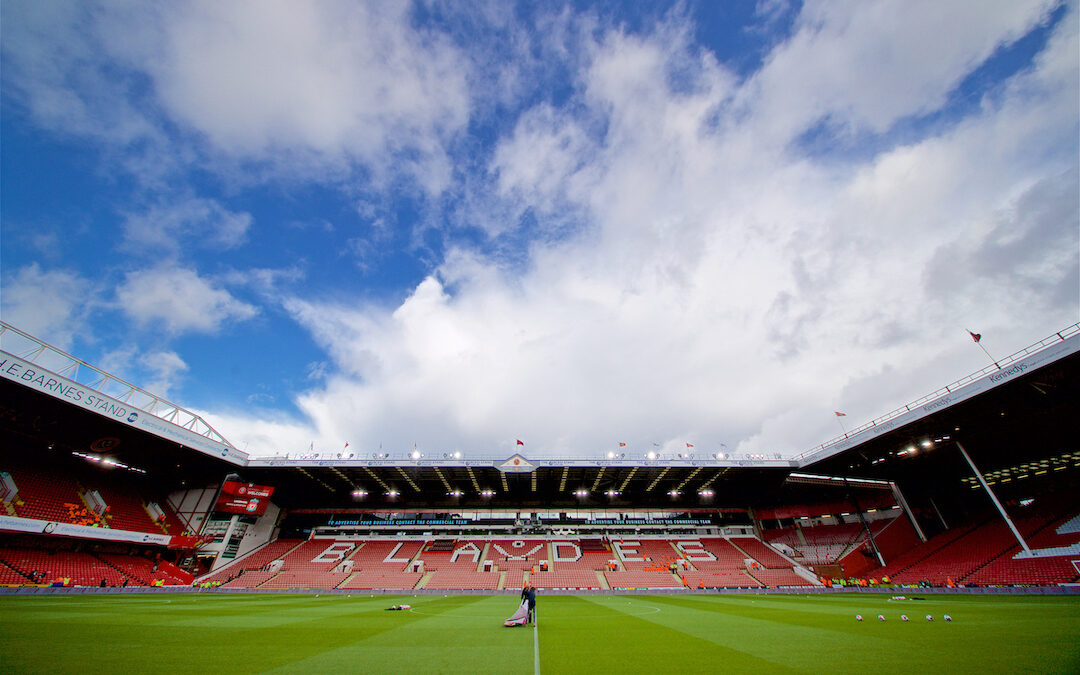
{"type": "Point", "coordinates": [243, 498]}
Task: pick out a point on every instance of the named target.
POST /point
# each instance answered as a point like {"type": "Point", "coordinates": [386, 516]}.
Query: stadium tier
{"type": "Point", "coordinates": [478, 565]}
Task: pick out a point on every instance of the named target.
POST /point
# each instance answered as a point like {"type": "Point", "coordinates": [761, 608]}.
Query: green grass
{"type": "Point", "coordinates": [209, 633]}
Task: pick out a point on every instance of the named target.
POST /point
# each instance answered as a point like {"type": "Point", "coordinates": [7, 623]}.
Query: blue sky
{"type": "Point", "coordinates": [460, 224]}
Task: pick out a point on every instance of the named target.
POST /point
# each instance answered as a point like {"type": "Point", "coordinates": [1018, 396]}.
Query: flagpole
{"type": "Point", "coordinates": [977, 337]}
{"type": "Point", "coordinates": [990, 357]}
{"type": "Point", "coordinates": [838, 421]}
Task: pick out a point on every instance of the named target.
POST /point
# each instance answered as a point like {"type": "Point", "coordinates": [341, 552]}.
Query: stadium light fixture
{"type": "Point", "coordinates": [359, 494]}
{"type": "Point", "coordinates": [487, 493]}
{"type": "Point", "coordinates": [455, 493]}
{"type": "Point", "coordinates": [612, 493]}
{"type": "Point", "coordinates": [650, 455]}
{"type": "Point", "coordinates": [926, 443]}
{"type": "Point", "coordinates": [721, 455]}
{"type": "Point", "coordinates": [581, 493]}
{"type": "Point", "coordinates": [457, 455]}
{"type": "Point", "coordinates": [706, 493]}
{"type": "Point", "coordinates": [392, 493]}
{"type": "Point", "coordinates": [674, 493]}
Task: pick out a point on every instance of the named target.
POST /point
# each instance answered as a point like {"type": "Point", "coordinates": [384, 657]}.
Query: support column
{"type": "Point", "coordinates": [902, 503]}
{"type": "Point", "coordinates": [866, 526]}
{"type": "Point", "coordinates": [939, 516]}
{"type": "Point", "coordinates": [993, 498]}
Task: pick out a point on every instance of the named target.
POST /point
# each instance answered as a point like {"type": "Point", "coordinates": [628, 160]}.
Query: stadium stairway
{"type": "Point", "coordinates": [119, 570]}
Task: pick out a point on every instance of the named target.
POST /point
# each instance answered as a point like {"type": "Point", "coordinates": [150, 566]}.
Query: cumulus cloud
{"type": "Point", "coordinates": [719, 286]}
{"type": "Point", "coordinates": [179, 301]}
{"type": "Point", "coordinates": [311, 90]}
{"type": "Point", "coordinates": [868, 64]}
{"type": "Point", "coordinates": [192, 221]}
{"type": "Point", "coordinates": [328, 82]}
{"type": "Point", "coordinates": [48, 304]}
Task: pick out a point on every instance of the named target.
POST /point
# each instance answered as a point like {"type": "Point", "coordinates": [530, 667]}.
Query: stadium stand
{"type": "Point", "coordinates": [314, 564]}
{"type": "Point", "coordinates": [248, 571]}
{"type": "Point", "coordinates": [726, 569]}
{"type": "Point", "coordinates": [458, 567]}
{"type": "Point", "coordinates": [383, 564]}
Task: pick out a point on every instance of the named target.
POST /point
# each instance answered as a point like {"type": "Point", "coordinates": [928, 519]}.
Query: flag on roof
{"type": "Point", "coordinates": [622, 445]}
{"type": "Point", "coordinates": [689, 445]}
{"type": "Point", "coordinates": [975, 336]}
{"type": "Point", "coordinates": [519, 442]}
{"type": "Point", "coordinates": [840, 414]}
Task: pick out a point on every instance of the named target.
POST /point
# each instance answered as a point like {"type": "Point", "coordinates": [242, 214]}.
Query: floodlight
{"type": "Point", "coordinates": [359, 493]}
{"type": "Point", "coordinates": [581, 493]}
{"type": "Point", "coordinates": [650, 455]}
{"type": "Point", "coordinates": [416, 454]}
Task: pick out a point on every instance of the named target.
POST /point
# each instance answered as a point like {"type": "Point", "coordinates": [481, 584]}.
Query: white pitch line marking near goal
{"type": "Point", "coordinates": [536, 644]}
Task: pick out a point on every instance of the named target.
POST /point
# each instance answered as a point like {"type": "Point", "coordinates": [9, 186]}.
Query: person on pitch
{"type": "Point", "coordinates": [528, 592]}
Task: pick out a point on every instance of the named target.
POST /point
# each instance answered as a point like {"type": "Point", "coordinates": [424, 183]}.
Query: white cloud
{"type": "Point", "coordinates": [314, 83]}
{"type": "Point", "coordinates": [721, 289]}
{"type": "Point", "coordinates": [247, 89]}
{"type": "Point", "coordinates": [192, 221]}
{"type": "Point", "coordinates": [50, 304]}
{"type": "Point", "coordinates": [164, 368]}
{"type": "Point", "coordinates": [867, 64]}
{"type": "Point", "coordinates": [179, 300]}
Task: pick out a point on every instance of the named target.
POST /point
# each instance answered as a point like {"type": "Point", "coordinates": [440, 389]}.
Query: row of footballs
{"type": "Point", "coordinates": [904, 617]}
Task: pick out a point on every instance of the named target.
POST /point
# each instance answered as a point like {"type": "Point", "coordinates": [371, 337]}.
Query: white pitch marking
{"type": "Point", "coordinates": [536, 644]}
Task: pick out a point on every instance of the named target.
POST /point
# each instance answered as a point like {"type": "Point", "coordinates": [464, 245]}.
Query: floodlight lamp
{"type": "Point", "coordinates": [359, 493]}
{"type": "Point", "coordinates": [612, 493]}
{"type": "Point", "coordinates": [416, 454]}
{"type": "Point", "coordinates": [457, 455]}
{"type": "Point", "coordinates": [611, 455]}
{"type": "Point", "coordinates": [926, 443]}
{"type": "Point", "coordinates": [650, 455]}
{"type": "Point", "coordinates": [454, 493]}
{"type": "Point", "coordinates": [487, 493]}
{"type": "Point", "coordinates": [392, 493]}
{"type": "Point", "coordinates": [706, 493]}
{"type": "Point", "coordinates": [721, 455]}
{"type": "Point", "coordinates": [581, 493]}
{"type": "Point", "coordinates": [674, 493]}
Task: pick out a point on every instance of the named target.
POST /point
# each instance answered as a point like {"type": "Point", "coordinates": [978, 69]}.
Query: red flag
{"type": "Point", "coordinates": [346, 444]}
{"type": "Point", "coordinates": [975, 336]}
{"type": "Point", "coordinates": [689, 445]}
{"type": "Point", "coordinates": [840, 414]}
{"type": "Point", "coordinates": [622, 445]}
{"type": "Point", "coordinates": [520, 443]}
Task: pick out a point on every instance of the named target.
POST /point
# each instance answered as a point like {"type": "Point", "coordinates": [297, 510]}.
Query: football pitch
{"type": "Point", "coordinates": [238, 633]}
